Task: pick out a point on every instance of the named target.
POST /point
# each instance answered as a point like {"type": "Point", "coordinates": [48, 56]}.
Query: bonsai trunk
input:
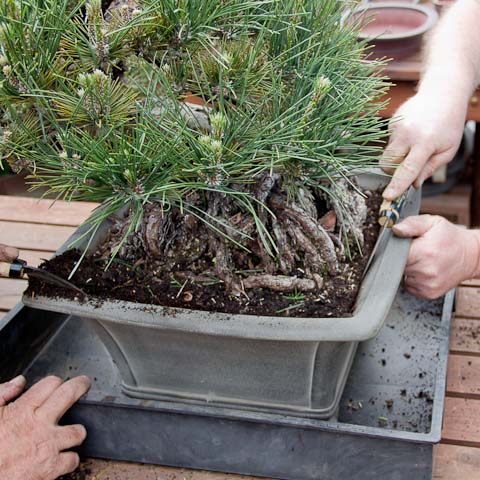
{"type": "Point", "coordinates": [222, 242]}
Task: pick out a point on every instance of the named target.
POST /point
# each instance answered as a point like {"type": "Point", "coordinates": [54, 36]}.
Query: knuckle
{"type": "Point", "coordinates": [45, 450]}
{"type": "Point", "coordinates": [79, 432]}
{"type": "Point", "coordinates": [431, 274]}
{"type": "Point", "coordinates": [53, 379]}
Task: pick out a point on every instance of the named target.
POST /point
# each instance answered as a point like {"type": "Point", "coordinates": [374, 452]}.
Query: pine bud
{"type": "Point", "coordinates": [219, 123]}
{"type": "Point", "coordinates": [6, 136]}
{"type": "Point", "coordinates": [227, 59]}
{"type": "Point", "coordinates": [205, 140]}
{"type": "Point", "coordinates": [128, 175]}
{"type": "Point", "coordinates": [321, 87]}
{"type": "Point", "coordinates": [7, 70]}
{"type": "Point", "coordinates": [99, 76]}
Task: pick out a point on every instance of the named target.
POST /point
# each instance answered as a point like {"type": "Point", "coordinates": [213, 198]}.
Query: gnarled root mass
{"type": "Point", "coordinates": [305, 236]}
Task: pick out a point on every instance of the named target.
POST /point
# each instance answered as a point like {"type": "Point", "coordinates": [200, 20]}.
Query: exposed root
{"type": "Point", "coordinates": [312, 228]}
{"type": "Point", "coordinates": [223, 263]}
{"type": "Point", "coordinates": [351, 209]}
{"type": "Point", "coordinates": [309, 242]}
{"type": "Point", "coordinates": [307, 203]}
{"type": "Point", "coordinates": [313, 261]}
{"type": "Point", "coordinates": [338, 244]}
{"type": "Point", "coordinates": [157, 228]}
{"type": "Point", "coordinates": [286, 257]}
{"type": "Point", "coordinates": [279, 283]}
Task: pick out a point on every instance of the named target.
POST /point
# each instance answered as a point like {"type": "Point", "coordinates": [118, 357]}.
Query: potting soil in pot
{"type": "Point", "coordinates": [136, 282]}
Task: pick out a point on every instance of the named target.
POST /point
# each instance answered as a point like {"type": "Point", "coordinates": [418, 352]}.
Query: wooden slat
{"type": "Point", "coordinates": [451, 462]}
{"type": "Point", "coordinates": [403, 90]}
{"type": "Point", "coordinates": [465, 336]}
{"type": "Point", "coordinates": [396, 96]}
{"type": "Point", "coordinates": [11, 292]}
{"type": "Point", "coordinates": [32, 210]}
{"type": "Point", "coordinates": [33, 236]}
{"type": "Point", "coordinates": [467, 302]}
{"type": "Point", "coordinates": [407, 68]}
{"type": "Point", "coordinates": [94, 469]}
{"type": "Point", "coordinates": [475, 282]}
{"type": "Point", "coordinates": [463, 377]}
{"type": "Point", "coordinates": [461, 422]}
{"type": "Point", "coordinates": [455, 207]}
{"type": "Point", "coordinates": [34, 258]}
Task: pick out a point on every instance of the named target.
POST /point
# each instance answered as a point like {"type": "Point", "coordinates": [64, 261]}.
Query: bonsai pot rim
{"type": "Point", "coordinates": [430, 20]}
{"type": "Point", "coordinates": [374, 299]}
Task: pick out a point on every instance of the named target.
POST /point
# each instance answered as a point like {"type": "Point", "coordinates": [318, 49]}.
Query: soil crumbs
{"type": "Point", "coordinates": [135, 283]}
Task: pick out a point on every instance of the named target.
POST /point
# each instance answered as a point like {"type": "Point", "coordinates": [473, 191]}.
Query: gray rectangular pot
{"type": "Point", "coordinates": [296, 366]}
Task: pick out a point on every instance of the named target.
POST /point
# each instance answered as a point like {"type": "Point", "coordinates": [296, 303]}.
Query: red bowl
{"type": "Point", "coordinates": [393, 29]}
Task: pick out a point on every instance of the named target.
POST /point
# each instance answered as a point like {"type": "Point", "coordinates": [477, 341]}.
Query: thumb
{"type": "Point", "coordinates": [7, 254]}
{"type": "Point", "coordinates": [415, 226]}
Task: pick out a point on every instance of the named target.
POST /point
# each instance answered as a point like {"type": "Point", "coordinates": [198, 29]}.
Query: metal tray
{"type": "Point", "coordinates": [373, 437]}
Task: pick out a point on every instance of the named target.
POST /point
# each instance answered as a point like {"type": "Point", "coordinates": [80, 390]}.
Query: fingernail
{"type": "Point", "coordinates": [18, 381]}
{"type": "Point", "coordinates": [399, 228]}
{"type": "Point", "coordinates": [387, 193]}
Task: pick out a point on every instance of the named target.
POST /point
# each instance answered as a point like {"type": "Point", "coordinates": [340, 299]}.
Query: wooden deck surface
{"type": "Point", "coordinates": [38, 228]}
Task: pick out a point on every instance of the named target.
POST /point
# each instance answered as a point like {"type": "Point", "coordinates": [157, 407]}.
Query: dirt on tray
{"type": "Point", "coordinates": [135, 283]}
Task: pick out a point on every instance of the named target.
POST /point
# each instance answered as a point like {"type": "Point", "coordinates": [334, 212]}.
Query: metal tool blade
{"type": "Point", "coordinates": [380, 238]}
{"type": "Point", "coordinates": [51, 278]}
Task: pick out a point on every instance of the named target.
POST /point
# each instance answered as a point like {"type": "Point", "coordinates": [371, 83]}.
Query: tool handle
{"type": "Point", "coordinates": [13, 269]}
{"type": "Point", "coordinates": [390, 211]}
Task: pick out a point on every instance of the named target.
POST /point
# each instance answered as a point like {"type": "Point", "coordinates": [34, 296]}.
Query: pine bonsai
{"type": "Point", "coordinates": [231, 130]}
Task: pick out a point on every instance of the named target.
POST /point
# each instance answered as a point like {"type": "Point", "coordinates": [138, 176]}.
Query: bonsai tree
{"type": "Point", "coordinates": [229, 131]}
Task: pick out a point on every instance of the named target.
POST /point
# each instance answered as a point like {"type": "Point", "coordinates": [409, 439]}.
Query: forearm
{"type": "Point", "coordinates": [452, 57]}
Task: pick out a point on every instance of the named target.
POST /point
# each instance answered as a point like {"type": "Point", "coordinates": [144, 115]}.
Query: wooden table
{"type": "Point", "coordinates": [405, 74]}
{"type": "Point", "coordinates": [38, 229]}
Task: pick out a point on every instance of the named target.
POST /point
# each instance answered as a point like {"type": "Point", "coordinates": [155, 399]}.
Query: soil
{"type": "Point", "coordinates": [81, 473]}
{"type": "Point", "coordinates": [133, 282]}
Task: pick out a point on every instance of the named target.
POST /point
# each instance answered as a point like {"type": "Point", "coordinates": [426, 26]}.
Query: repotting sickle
{"type": "Point", "coordinates": [388, 216]}
{"type": "Point", "coordinates": [18, 268]}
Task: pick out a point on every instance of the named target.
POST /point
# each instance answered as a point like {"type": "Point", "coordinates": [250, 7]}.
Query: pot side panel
{"type": "Point", "coordinates": [162, 364]}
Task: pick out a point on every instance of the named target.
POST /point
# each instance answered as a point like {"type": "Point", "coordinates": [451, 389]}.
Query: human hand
{"type": "Point", "coordinates": [7, 254]}
{"type": "Point", "coordinates": [32, 444]}
{"type": "Point", "coordinates": [425, 133]}
{"type": "Point", "coordinates": [441, 256]}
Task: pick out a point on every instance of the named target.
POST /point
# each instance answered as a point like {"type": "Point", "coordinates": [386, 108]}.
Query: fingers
{"type": "Point", "coordinates": [432, 165]}
{"type": "Point", "coordinates": [70, 436]}
{"type": "Point", "coordinates": [7, 254]}
{"type": "Point", "coordinates": [413, 291]}
{"type": "Point", "coordinates": [64, 397]}
{"type": "Point", "coordinates": [393, 155]}
{"type": "Point", "coordinates": [67, 462]}
{"type": "Point", "coordinates": [415, 226]}
{"type": "Point", "coordinates": [407, 172]}
{"type": "Point", "coordinates": [38, 393]}
{"type": "Point", "coordinates": [11, 389]}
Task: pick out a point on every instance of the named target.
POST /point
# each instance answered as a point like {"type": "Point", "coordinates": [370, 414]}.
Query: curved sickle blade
{"type": "Point", "coordinates": [51, 278]}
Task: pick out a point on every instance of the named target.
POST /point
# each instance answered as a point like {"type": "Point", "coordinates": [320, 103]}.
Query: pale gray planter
{"type": "Point", "coordinates": [296, 366]}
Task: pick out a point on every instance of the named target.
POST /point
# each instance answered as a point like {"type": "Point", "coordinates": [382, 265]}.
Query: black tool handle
{"type": "Point", "coordinates": [12, 269]}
